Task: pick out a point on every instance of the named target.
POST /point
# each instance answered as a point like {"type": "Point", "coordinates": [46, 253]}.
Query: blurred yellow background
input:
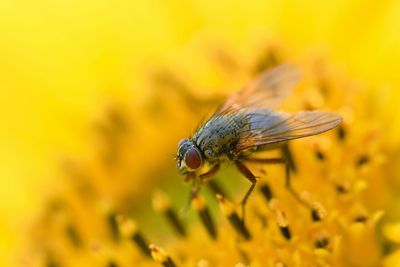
{"type": "Point", "coordinates": [61, 60]}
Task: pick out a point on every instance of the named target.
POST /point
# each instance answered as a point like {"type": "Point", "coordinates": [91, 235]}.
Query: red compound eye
{"type": "Point", "coordinates": [193, 159]}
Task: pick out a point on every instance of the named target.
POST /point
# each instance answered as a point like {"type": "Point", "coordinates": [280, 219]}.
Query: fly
{"type": "Point", "coordinates": [247, 123]}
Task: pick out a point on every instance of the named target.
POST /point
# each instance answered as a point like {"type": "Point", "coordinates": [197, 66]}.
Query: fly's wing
{"type": "Point", "coordinates": [250, 112]}
{"type": "Point", "coordinates": [267, 127]}
{"type": "Point", "coordinates": [267, 91]}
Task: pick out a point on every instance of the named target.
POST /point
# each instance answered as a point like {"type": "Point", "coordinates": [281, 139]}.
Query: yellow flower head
{"type": "Point", "coordinates": [332, 220]}
{"type": "Point", "coordinates": [157, 70]}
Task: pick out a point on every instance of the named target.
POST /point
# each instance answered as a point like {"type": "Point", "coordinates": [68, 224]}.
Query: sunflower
{"type": "Point", "coordinates": [114, 86]}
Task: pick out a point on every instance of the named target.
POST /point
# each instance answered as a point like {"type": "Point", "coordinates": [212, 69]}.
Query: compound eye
{"type": "Point", "coordinates": [193, 159]}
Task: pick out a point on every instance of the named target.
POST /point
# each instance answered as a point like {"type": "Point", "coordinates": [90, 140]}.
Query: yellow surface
{"type": "Point", "coordinates": [60, 59]}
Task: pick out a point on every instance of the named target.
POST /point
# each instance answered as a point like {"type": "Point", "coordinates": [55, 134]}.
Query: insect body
{"type": "Point", "coordinates": [247, 123]}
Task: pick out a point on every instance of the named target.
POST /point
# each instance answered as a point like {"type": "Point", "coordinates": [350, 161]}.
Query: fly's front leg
{"type": "Point", "coordinates": [202, 177]}
{"type": "Point", "coordinates": [210, 173]}
{"type": "Point", "coordinates": [190, 176]}
{"type": "Point", "coordinates": [288, 181]}
{"type": "Point", "coordinates": [250, 176]}
{"type": "Point", "coordinates": [212, 184]}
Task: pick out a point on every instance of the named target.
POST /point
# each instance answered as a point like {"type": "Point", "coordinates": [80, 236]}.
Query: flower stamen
{"type": "Point", "coordinates": [159, 255]}
{"type": "Point", "coordinates": [229, 211]}
{"type": "Point", "coordinates": [205, 216]}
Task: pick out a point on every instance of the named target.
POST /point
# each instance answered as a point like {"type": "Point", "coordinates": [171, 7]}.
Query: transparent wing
{"type": "Point", "coordinates": [267, 91]}
{"type": "Point", "coordinates": [267, 127]}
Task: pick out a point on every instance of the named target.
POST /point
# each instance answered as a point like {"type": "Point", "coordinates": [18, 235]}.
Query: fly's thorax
{"type": "Point", "coordinates": [218, 138]}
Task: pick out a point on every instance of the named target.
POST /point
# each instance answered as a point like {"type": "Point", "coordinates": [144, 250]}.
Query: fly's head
{"type": "Point", "coordinates": [189, 157]}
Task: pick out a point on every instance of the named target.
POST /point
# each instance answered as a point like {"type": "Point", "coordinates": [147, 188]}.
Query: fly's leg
{"type": "Point", "coordinates": [202, 177]}
{"type": "Point", "coordinates": [288, 181]}
{"type": "Point", "coordinates": [250, 176]}
{"type": "Point", "coordinates": [190, 176]}
{"type": "Point", "coordinates": [210, 173]}
{"type": "Point", "coordinates": [213, 185]}
{"type": "Point", "coordinates": [197, 181]}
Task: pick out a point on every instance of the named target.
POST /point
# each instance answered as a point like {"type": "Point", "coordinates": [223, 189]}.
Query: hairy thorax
{"type": "Point", "coordinates": [218, 138]}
